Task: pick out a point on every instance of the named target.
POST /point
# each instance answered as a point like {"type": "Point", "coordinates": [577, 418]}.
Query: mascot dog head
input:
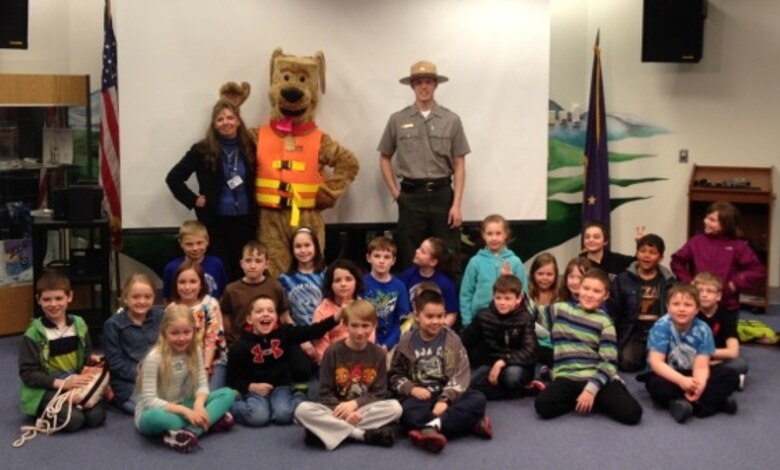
{"type": "Point", "coordinates": [295, 86]}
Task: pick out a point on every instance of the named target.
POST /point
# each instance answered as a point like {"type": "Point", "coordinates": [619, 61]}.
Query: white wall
{"type": "Point", "coordinates": [723, 109]}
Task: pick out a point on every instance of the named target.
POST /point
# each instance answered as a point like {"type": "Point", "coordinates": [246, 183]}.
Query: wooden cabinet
{"type": "Point", "coordinates": [750, 190]}
{"type": "Point", "coordinates": [16, 308]}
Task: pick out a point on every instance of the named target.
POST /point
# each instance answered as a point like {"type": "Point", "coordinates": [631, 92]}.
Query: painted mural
{"type": "Point", "coordinates": [564, 169]}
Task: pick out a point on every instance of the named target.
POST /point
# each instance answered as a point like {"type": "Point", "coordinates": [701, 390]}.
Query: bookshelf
{"type": "Point", "coordinates": [22, 95]}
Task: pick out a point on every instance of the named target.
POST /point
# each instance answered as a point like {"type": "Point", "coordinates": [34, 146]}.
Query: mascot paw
{"type": "Point", "coordinates": [324, 200]}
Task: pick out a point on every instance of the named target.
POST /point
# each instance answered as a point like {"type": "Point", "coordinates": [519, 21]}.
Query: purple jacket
{"type": "Point", "coordinates": [728, 258]}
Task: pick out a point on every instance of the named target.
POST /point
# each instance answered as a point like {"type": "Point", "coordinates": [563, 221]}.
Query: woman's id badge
{"type": "Point", "coordinates": [235, 182]}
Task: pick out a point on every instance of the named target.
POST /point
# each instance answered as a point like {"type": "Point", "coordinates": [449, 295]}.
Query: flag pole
{"type": "Point", "coordinates": [109, 139]}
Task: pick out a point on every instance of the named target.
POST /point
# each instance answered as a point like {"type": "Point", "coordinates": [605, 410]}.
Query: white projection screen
{"type": "Point", "coordinates": [175, 54]}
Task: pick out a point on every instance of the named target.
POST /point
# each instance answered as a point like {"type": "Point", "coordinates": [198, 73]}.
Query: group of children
{"type": "Point", "coordinates": [374, 349]}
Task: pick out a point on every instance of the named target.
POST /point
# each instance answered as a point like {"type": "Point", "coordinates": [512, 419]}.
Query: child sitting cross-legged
{"type": "Point", "coordinates": [52, 354]}
{"type": "Point", "coordinates": [353, 385]}
{"type": "Point", "coordinates": [173, 400]}
{"type": "Point", "coordinates": [502, 343]}
{"type": "Point", "coordinates": [259, 366]}
{"type": "Point", "coordinates": [585, 358]}
{"type": "Point", "coordinates": [430, 372]}
{"type": "Point", "coordinates": [680, 346]}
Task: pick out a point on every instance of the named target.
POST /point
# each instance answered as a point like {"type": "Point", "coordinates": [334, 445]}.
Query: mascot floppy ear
{"type": "Point", "coordinates": [235, 93]}
{"type": "Point", "coordinates": [276, 53]}
{"type": "Point", "coordinates": [319, 57]}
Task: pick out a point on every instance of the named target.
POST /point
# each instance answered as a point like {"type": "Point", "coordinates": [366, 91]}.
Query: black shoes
{"type": "Point", "coordinates": [382, 437]}
{"type": "Point", "coordinates": [681, 410]}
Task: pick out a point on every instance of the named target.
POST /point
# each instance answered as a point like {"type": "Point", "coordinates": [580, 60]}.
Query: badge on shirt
{"type": "Point", "coordinates": [409, 125]}
{"type": "Point", "coordinates": [235, 182]}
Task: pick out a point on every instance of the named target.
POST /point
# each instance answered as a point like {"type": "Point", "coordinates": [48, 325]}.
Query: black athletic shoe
{"type": "Point", "coordinates": [383, 437]}
{"type": "Point", "coordinates": [730, 405]}
{"type": "Point", "coordinates": [311, 439]}
{"type": "Point", "coordinates": [681, 410]}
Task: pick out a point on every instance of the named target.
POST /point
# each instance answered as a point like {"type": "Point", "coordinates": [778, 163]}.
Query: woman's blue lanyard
{"type": "Point", "coordinates": [232, 161]}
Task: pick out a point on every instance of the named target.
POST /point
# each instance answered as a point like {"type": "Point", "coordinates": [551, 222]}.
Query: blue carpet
{"type": "Point", "coordinates": [747, 440]}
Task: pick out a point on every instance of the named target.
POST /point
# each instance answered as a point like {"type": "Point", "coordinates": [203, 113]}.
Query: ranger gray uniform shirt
{"type": "Point", "coordinates": [425, 147]}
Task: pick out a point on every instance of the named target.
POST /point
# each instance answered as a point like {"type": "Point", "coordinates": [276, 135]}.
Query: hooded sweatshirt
{"type": "Point", "coordinates": [484, 268]}
{"type": "Point", "coordinates": [730, 259]}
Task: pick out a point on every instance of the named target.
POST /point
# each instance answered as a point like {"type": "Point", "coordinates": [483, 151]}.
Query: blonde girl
{"type": "Point", "coordinates": [172, 394]}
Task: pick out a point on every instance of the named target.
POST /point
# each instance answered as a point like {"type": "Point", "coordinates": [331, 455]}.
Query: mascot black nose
{"type": "Point", "coordinates": [292, 94]}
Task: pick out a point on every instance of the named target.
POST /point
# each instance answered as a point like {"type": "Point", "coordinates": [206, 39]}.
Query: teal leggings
{"type": "Point", "coordinates": [156, 421]}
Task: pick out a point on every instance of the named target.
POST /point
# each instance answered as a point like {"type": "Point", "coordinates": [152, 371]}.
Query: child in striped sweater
{"type": "Point", "coordinates": [585, 358]}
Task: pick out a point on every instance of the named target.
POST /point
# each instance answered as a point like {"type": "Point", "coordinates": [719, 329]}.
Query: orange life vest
{"type": "Point", "coordinates": [288, 178]}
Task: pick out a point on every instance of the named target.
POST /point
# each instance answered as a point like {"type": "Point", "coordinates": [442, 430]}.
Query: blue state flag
{"type": "Point", "coordinates": [595, 196]}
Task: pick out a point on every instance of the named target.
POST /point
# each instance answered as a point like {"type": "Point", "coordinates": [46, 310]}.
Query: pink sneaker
{"type": "Point", "coordinates": [180, 440]}
{"type": "Point", "coordinates": [533, 388]}
{"type": "Point", "coordinates": [224, 423]}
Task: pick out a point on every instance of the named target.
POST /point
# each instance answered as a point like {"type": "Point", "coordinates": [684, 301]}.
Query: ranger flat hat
{"type": "Point", "coordinates": [423, 69]}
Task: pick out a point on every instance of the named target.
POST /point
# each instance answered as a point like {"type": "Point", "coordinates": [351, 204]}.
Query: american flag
{"type": "Point", "coordinates": [109, 131]}
{"type": "Point", "coordinates": [595, 203]}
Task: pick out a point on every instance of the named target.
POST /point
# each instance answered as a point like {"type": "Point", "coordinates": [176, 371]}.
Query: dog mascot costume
{"type": "Point", "coordinates": [292, 152]}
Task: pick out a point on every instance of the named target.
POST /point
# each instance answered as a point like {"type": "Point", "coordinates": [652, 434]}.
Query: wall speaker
{"type": "Point", "coordinates": [13, 24]}
{"type": "Point", "coordinates": [673, 30]}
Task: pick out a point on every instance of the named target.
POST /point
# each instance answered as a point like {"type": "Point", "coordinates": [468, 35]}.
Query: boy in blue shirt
{"type": "Point", "coordinates": [680, 346]}
{"type": "Point", "coordinates": [386, 292]}
{"type": "Point", "coordinates": [194, 241]}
